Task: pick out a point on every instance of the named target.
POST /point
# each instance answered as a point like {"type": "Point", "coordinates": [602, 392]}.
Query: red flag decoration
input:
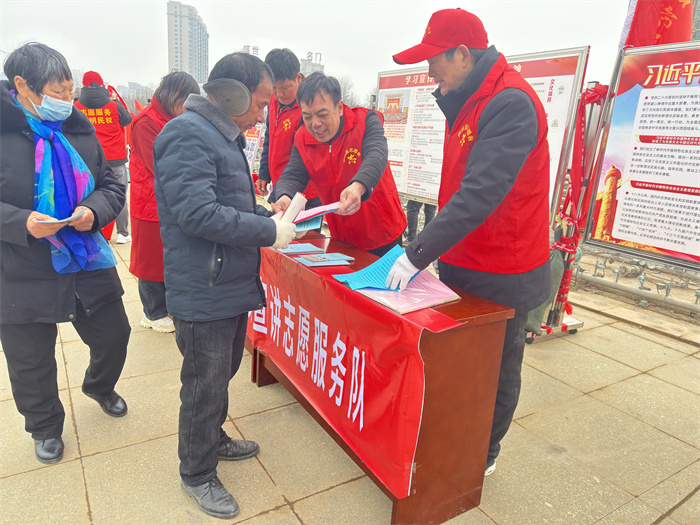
{"type": "Point", "coordinates": [138, 106]}
{"type": "Point", "coordinates": [655, 22]}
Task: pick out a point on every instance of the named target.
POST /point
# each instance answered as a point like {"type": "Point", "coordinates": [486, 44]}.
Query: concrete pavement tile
{"type": "Point", "coordinates": [575, 365]}
{"type": "Point", "coordinates": [658, 322]}
{"type": "Point", "coordinates": [540, 391]}
{"type": "Point", "coordinates": [6, 387]}
{"type": "Point", "coordinates": [154, 404]}
{"type": "Point", "coordinates": [590, 318]}
{"type": "Point", "coordinates": [17, 445]}
{"type": "Point", "coordinates": [246, 398]}
{"type": "Point", "coordinates": [590, 301]}
{"type": "Point", "coordinates": [66, 332]}
{"type": "Point", "coordinates": [688, 512]}
{"type": "Point", "coordinates": [359, 501]}
{"type": "Point", "coordinates": [471, 517]}
{"type": "Point", "coordinates": [621, 448]}
{"type": "Point", "coordinates": [657, 403]}
{"type": "Point", "coordinates": [134, 311]}
{"type": "Point", "coordinates": [627, 348]}
{"type": "Point", "coordinates": [281, 516]}
{"type": "Point", "coordinates": [299, 456]}
{"type": "Point", "coordinates": [673, 490]}
{"type": "Point", "coordinates": [684, 373]}
{"type": "Point", "coordinates": [635, 512]}
{"type": "Point", "coordinates": [539, 482]}
{"type": "Point", "coordinates": [669, 341]}
{"type": "Point", "coordinates": [48, 495]}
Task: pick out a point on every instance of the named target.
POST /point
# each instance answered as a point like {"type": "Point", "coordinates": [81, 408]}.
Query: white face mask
{"type": "Point", "coordinates": [53, 109]}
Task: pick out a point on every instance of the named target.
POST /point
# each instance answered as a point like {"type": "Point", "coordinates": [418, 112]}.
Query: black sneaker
{"type": "Point", "coordinates": [213, 499]}
{"type": "Point", "coordinates": [236, 449]}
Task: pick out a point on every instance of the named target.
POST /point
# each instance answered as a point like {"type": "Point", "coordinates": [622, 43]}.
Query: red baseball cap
{"type": "Point", "coordinates": [92, 76]}
{"type": "Point", "coordinates": [447, 29]}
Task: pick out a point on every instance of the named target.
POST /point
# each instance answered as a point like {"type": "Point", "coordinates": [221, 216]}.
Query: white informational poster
{"type": "Point", "coordinates": [415, 126]}
{"type": "Point", "coordinates": [648, 194]}
{"type": "Point", "coordinates": [253, 140]}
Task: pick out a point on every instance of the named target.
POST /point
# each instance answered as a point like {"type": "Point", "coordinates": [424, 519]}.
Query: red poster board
{"type": "Point", "coordinates": [648, 170]}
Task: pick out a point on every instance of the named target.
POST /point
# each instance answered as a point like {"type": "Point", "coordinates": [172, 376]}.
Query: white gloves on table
{"type": "Point", "coordinates": [284, 234]}
{"type": "Point", "coordinates": [401, 273]}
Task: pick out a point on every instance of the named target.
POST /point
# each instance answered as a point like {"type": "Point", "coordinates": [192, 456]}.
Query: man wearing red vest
{"type": "Point", "coordinates": [344, 152]}
{"type": "Point", "coordinates": [491, 233]}
{"type": "Point", "coordinates": [283, 121]}
{"type": "Point", "coordinates": [109, 118]}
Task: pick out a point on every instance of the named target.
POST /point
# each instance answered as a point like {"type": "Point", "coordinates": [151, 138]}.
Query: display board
{"type": "Point", "coordinates": [647, 172]}
{"type": "Point", "coordinates": [253, 140]}
{"type": "Point", "coordinates": [415, 126]}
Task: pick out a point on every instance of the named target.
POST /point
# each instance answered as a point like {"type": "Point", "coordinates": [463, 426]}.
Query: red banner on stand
{"type": "Point", "coordinates": [354, 360]}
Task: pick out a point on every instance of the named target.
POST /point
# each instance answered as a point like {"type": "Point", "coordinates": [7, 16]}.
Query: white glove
{"type": "Point", "coordinates": [284, 234]}
{"type": "Point", "coordinates": [400, 274]}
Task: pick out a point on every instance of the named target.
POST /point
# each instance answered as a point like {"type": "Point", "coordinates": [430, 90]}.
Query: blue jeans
{"type": "Point", "coordinates": [412, 212]}
{"type": "Point", "coordinates": [212, 353]}
{"type": "Point", "coordinates": [152, 294]}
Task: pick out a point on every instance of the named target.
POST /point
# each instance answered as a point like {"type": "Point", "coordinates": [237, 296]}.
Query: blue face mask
{"type": "Point", "coordinates": [53, 109]}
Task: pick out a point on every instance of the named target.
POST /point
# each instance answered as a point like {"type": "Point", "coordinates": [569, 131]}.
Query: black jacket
{"type": "Point", "coordinates": [210, 223]}
{"type": "Point", "coordinates": [30, 289]}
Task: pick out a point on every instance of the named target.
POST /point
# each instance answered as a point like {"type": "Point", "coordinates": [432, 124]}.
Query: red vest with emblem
{"type": "Point", "coordinates": [142, 204]}
{"type": "Point", "coordinates": [283, 125]}
{"type": "Point", "coordinates": [380, 219]}
{"type": "Point", "coordinates": [109, 132]}
{"type": "Point", "coordinates": [515, 237]}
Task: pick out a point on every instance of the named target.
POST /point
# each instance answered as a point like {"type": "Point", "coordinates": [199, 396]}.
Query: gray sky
{"type": "Point", "coordinates": [126, 40]}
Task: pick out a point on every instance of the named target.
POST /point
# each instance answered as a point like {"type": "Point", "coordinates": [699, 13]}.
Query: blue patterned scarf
{"type": "Point", "coordinates": [61, 181]}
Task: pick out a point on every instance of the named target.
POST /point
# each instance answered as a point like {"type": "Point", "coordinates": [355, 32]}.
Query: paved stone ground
{"type": "Point", "coordinates": [607, 432]}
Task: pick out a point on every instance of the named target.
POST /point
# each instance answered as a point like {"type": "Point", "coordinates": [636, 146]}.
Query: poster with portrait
{"type": "Point", "coordinates": [648, 172]}
{"type": "Point", "coordinates": [415, 126]}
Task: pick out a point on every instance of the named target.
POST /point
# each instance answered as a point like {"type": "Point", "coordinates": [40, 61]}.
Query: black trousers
{"type": "Point", "coordinates": [212, 352]}
{"type": "Point", "coordinates": [30, 350]}
{"type": "Point", "coordinates": [509, 378]}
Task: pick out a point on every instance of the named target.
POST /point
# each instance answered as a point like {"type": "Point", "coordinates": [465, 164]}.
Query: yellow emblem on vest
{"type": "Point", "coordinates": [351, 156]}
{"type": "Point", "coordinates": [465, 134]}
{"type": "Point", "coordinates": [287, 124]}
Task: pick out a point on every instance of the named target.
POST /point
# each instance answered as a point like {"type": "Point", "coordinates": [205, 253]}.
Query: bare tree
{"type": "Point", "coordinates": [347, 87]}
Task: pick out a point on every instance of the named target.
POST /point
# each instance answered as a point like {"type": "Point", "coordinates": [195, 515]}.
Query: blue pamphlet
{"type": "Point", "coordinates": [374, 275]}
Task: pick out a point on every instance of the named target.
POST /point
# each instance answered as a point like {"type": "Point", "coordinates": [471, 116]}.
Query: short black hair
{"type": "Point", "coordinates": [248, 69]}
{"type": "Point", "coordinates": [283, 63]}
{"type": "Point", "coordinates": [38, 64]}
{"type": "Point", "coordinates": [174, 89]}
{"type": "Point", "coordinates": [314, 84]}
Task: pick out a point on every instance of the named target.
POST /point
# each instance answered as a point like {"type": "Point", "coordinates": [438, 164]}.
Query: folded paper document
{"type": "Point", "coordinates": [423, 291]}
{"type": "Point", "coordinates": [299, 248]}
{"type": "Point", "coordinates": [325, 259]}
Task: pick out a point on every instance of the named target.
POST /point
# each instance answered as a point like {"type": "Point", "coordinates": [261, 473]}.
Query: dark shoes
{"type": "Point", "coordinates": [213, 499]}
{"type": "Point", "coordinates": [112, 404]}
{"type": "Point", "coordinates": [236, 449]}
{"type": "Point", "coordinates": [49, 451]}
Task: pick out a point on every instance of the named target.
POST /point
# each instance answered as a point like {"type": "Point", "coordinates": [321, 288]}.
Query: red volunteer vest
{"type": "Point", "coordinates": [515, 237]}
{"type": "Point", "coordinates": [109, 132]}
{"type": "Point", "coordinates": [380, 219]}
{"type": "Point", "coordinates": [282, 128]}
{"type": "Point", "coordinates": [142, 203]}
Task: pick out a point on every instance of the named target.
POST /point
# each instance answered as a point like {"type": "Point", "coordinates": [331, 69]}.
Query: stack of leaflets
{"type": "Point", "coordinates": [299, 248]}
{"type": "Point", "coordinates": [325, 259]}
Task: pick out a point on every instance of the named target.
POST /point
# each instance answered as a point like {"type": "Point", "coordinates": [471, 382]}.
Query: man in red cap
{"type": "Point", "coordinates": [110, 118]}
{"type": "Point", "coordinates": [491, 234]}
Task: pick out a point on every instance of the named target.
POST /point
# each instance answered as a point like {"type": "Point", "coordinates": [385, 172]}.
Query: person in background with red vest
{"type": "Point", "coordinates": [146, 261]}
{"type": "Point", "coordinates": [491, 233]}
{"type": "Point", "coordinates": [283, 121]}
{"type": "Point", "coordinates": [344, 152]}
{"type": "Point", "coordinates": [109, 118]}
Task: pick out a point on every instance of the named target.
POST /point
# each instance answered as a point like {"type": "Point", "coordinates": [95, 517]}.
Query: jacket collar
{"type": "Point", "coordinates": [452, 103]}
{"type": "Point", "coordinates": [12, 117]}
{"type": "Point", "coordinates": [214, 115]}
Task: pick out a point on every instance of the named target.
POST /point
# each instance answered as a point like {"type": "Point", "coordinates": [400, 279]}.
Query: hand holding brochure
{"type": "Point", "coordinates": [67, 219]}
{"type": "Point", "coordinates": [305, 215]}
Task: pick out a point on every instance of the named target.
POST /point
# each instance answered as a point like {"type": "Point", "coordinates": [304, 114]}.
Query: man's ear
{"type": "Point", "coordinates": [466, 55]}
{"type": "Point", "coordinates": [299, 78]}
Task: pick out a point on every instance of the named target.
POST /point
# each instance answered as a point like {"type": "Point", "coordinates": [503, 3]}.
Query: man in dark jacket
{"type": "Point", "coordinates": [491, 234]}
{"type": "Point", "coordinates": [34, 295]}
{"type": "Point", "coordinates": [212, 229]}
{"type": "Point", "coordinates": [110, 118]}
